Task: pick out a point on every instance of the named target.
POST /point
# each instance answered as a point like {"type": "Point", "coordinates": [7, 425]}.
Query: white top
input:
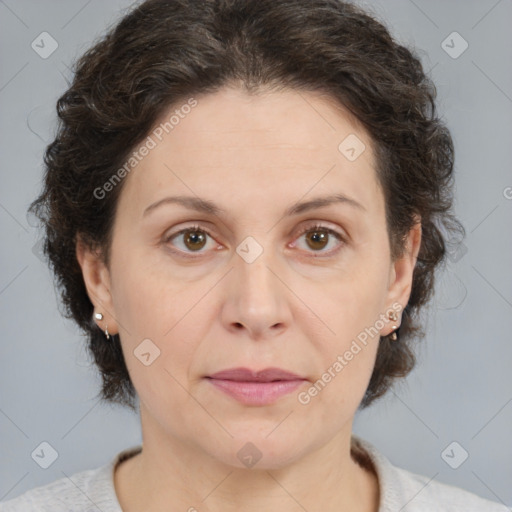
{"type": "Point", "coordinates": [400, 490]}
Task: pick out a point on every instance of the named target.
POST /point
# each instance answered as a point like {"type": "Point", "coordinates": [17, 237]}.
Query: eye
{"type": "Point", "coordinates": [194, 238]}
{"type": "Point", "coordinates": [318, 238]}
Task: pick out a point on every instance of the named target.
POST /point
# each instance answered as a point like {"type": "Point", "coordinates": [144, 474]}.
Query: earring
{"type": "Point", "coordinates": [99, 316]}
{"type": "Point", "coordinates": [392, 316]}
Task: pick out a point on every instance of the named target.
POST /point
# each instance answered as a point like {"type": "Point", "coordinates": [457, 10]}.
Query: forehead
{"type": "Point", "coordinates": [275, 146]}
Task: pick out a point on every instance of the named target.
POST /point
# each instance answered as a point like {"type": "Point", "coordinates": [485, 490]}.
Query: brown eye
{"type": "Point", "coordinates": [317, 239]}
{"type": "Point", "coordinates": [189, 240]}
{"type": "Point", "coordinates": [194, 239]}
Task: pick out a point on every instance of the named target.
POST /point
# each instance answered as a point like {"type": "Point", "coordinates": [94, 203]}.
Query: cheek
{"type": "Point", "coordinates": [346, 359]}
{"type": "Point", "coordinates": [162, 315]}
{"type": "Point", "coordinates": [349, 307]}
{"type": "Point", "coordinates": [150, 297]}
{"type": "Point", "coordinates": [348, 300]}
{"type": "Point", "coordinates": [160, 342]}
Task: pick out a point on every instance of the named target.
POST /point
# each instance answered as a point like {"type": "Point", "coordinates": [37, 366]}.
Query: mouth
{"type": "Point", "coordinates": [258, 388]}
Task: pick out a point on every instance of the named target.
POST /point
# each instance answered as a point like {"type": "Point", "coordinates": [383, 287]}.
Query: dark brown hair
{"type": "Point", "coordinates": [164, 51]}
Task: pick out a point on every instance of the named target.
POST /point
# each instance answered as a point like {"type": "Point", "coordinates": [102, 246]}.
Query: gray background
{"type": "Point", "coordinates": [462, 388]}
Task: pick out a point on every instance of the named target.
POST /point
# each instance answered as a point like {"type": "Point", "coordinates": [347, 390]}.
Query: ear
{"type": "Point", "coordinates": [401, 273]}
{"type": "Point", "coordinates": [97, 282]}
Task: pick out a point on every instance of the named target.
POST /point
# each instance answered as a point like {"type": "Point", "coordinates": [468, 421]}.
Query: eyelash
{"type": "Point", "coordinates": [305, 230]}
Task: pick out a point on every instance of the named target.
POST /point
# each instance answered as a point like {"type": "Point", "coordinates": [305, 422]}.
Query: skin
{"type": "Point", "coordinates": [294, 307]}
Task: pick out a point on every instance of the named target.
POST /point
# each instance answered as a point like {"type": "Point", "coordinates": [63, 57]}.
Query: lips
{"type": "Point", "coordinates": [247, 375]}
{"type": "Point", "coordinates": [256, 388]}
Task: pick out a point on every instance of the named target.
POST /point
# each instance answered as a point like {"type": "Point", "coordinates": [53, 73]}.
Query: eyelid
{"type": "Point", "coordinates": [196, 227]}
{"type": "Point", "coordinates": [320, 226]}
{"type": "Point", "coordinates": [313, 225]}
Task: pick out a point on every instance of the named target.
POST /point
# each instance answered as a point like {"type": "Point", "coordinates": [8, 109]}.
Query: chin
{"type": "Point", "coordinates": [258, 451]}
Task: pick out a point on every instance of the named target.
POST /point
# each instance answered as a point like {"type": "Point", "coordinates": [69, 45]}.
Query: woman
{"type": "Point", "coordinates": [243, 207]}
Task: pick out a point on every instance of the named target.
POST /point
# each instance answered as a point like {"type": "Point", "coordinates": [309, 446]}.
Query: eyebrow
{"type": "Point", "coordinates": [206, 206]}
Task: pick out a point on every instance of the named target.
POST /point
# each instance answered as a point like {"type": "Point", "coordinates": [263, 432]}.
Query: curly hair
{"type": "Point", "coordinates": [166, 50]}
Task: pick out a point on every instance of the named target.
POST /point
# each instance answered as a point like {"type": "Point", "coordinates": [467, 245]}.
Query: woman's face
{"type": "Point", "coordinates": [254, 284]}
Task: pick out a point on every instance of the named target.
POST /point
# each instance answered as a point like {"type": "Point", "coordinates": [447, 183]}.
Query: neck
{"type": "Point", "coordinates": [169, 471]}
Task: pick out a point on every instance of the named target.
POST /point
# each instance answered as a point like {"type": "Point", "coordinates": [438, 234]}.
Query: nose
{"type": "Point", "coordinates": [256, 300]}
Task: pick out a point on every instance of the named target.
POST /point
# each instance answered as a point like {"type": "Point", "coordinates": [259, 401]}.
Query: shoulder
{"type": "Point", "coordinates": [85, 491]}
{"type": "Point", "coordinates": [403, 490]}
{"type": "Point", "coordinates": [62, 495]}
{"type": "Point", "coordinates": [423, 493]}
